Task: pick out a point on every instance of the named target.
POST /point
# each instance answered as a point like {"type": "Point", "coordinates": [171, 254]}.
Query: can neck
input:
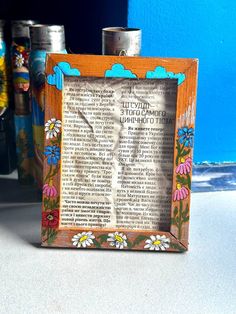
{"type": "Point", "coordinates": [50, 38]}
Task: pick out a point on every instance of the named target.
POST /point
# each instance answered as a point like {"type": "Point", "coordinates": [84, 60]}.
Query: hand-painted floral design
{"type": "Point", "coordinates": [185, 166]}
{"type": "Point", "coordinates": [20, 55]}
{"type": "Point", "coordinates": [53, 154]}
{"type": "Point", "coordinates": [50, 219]}
{"type": "Point", "coordinates": [181, 192]}
{"type": "Point", "coordinates": [19, 61]}
{"type": "Point", "coordinates": [157, 243]}
{"type": "Point", "coordinates": [52, 128]}
{"type": "Point", "coordinates": [49, 189]}
{"type": "Point", "coordinates": [119, 240]}
{"type": "Point", "coordinates": [4, 101]}
{"type": "Point", "coordinates": [83, 239]}
{"type": "Point", "coordinates": [186, 136]}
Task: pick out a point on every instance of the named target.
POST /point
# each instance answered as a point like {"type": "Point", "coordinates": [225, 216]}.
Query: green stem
{"type": "Point", "coordinates": [48, 175]}
{"type": "Point", "coordinates": [180, 221]}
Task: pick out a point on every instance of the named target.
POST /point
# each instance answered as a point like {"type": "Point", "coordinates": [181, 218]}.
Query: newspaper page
{"type": "Point", "coordinates": [117, 153]}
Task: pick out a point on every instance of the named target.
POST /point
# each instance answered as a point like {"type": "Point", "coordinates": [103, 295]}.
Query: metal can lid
{"type": "Point", "coordinates": [121, 41]}
{"type": "Point", "coordinates": [2, 24]}
{"type": "Point", "coordinates": [47, 37]}
{"type": "Point", "coordinates": [20, 28]}
{"type": "Point", "coordinates": [121, 29]}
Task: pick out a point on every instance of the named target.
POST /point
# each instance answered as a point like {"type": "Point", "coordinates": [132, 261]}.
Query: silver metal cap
{"type": "Point", "coordinates": [47, 37]}
{"type": "Point", "coordinates": [2, 24]}
{"type": "Point", "coordinates": [121, 41]}
{"type": "Point", "coordinates": [20, 28]}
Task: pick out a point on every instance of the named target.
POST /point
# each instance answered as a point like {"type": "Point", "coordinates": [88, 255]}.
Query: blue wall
{"type": "Point", "coordinates": [205, 29]}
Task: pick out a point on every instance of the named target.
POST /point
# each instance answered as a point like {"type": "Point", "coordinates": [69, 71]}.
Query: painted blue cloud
{"type": "Point", "coordinates": [119, 71]}
{"type": "Point", "coordinates": [56, 78]}
{"type": "Point", "coordinates": [61, 69]}
{"type": "Point", "coordinates": [161, 73]}
{"type": "Point", "coordinates": [67, 70]}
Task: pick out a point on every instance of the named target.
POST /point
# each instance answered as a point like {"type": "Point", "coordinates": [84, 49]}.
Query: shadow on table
{"type": "Point", "coordinates": [24, 221]}
{"type": "Point", "coordinates": [20, 210]}
{"type": "Point", "coordinates": [13, 192]}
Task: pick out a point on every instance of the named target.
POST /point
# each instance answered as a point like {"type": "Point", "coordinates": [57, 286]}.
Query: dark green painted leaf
{"type": "Point", "coordinates": [44, 232]}
{"type": "Point", "coordinates": [189, 181]}
{"type": "Point", "coordinates": [103, 238]}
{"type": "Point", "coordinates": [51, 236]}
{"type": "Point", "coordinates": [185, 152]}
{"type": "Point", "coordinates": [129, 244]}
{"type": "Point", "coordinates": [176, 211]}
{"type": "Point", "coordinates": [185, 212]}
{"type": "Point", "coordinates": [178, 247]}
{"type": "Point", "coordinates": [96, 243]}
{"type": "Point", "coordinates": [186, 219]}
{"type": "Point", "coordinates": [139, 239]}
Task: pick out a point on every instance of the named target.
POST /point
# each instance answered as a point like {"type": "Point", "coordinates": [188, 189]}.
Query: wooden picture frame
{"type": "Point", "coordinates": [184, 71]}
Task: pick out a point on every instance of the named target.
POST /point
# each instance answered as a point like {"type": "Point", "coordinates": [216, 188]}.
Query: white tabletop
{"type": "Point", "coordinates": [42, 280]}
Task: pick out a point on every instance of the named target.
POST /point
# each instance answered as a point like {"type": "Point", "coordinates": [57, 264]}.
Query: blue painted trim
{"type": "Point", "coordinates": [119, 71]}
{"type": "Point", "coordinates": [161, 73]}
{"type": "Point", "coordinates": [67, 70]}
{"type": "Point", "coordinates": [61, 69]}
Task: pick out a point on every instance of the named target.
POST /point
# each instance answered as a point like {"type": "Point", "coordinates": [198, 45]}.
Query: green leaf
{"type": "Point", "coordinates": [51, 236]}
{"type": "Point", "coordinates": [43, 232]}
{"type": "Point", "coordinates": [178, 146]}
{"type": "Point", "coordinates": [189, 181]}
{"type": "Point", "coordinates": [186, 219]}
{"type": "Point", "coordinates": [176, 211]}
{"type": "Point", "coordinates": [103, 238]}
{"type": "Point", "coordinates": [129, 244]}
{"type": "Point", "coordinates": [173, 221]}
{"type": "Point", "coordinates": [139, 239]}
{"type": "Point", "coordinates": [177, 160]}
{"type": "Point", "coordinates": [185, 212]}
{"type": "Point", "coordinates": [185, 152]}
{"type": "Point", "coordinates": [96, 243]}
{"type": "Point", "coordinates": [178, 247]}
{"type": "Point", "coordinates": [181, 179]}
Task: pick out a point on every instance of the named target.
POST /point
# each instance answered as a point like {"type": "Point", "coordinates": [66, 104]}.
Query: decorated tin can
{"type": "Point", "coordinates": [20, 50]}
{"type": "Point", "coordinates": [44, 39]}
{"type": "Point", "coordinates": [24, 148]}
{"type": "Point", "coordinates": [121, 41]}
{"type": "Point", "coordinates": [7, 141]}
{"type": "Point", "coordinates": [4, 74]}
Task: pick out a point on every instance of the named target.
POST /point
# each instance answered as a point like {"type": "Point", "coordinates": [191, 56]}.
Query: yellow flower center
{"type": "Point", "coordinates": [182, 160]}
{"type": "Point", "coordinates": [178, 186]}
{"type": "Point", "coordinates": [50, 182]}
{"type": "Point", "coordinates": [157, 242]}
{"type": "Point", "coordinates": [52, 125]}
{"type": "Point", "coordinates": [82, 239]}
{"type": "Point", "coordinates": [119, 239]}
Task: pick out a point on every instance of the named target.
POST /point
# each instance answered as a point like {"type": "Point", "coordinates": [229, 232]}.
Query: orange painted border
{"type": "Point", "coordinates": [185, 70]}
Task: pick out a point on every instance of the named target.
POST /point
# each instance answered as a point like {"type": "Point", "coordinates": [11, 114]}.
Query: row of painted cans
{"type": "Point", "coordinates": [30, 44]}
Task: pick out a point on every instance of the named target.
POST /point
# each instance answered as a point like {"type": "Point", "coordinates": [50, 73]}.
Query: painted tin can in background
{"type": "Point", "coordinates": [121, 41]}
{"type": "Point", "coordinates": [7, 139]}
{"type": "Point", "coordinates": [44, 39]}
{"type": "Point", "coordinates": [24, 148]}
{"type": "Point", "coordinates": [20, 50]}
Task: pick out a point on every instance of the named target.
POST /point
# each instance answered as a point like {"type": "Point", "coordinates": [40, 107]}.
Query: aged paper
{"type": "Point", "coordinates": [117, 153]}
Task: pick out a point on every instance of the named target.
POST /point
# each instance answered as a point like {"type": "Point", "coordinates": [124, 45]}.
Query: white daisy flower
{"type": "Point", "coordinates": [83, 239]}
{"type": "Point", "coordinates": [19, 61]}
{"type": "Point", "coordinates": [117, 239]}
{"type": "Point", "coordinates": [52, 128]}
{"type": "Point", "coordinates": [157, 243]}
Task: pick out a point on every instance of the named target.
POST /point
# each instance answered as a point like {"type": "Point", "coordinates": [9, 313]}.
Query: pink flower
{"type": "Point", "coordinates": [185, 166]}
{"type": "Point", "coordinates": [49, 189]}
{"type": "Point", "coordinates": [181, 193]}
